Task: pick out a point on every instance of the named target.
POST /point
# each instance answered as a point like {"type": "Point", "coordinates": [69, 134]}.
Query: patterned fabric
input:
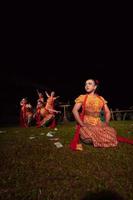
{"type": "Point", "coordinates": [46, 113]}
{"type": "Point", "coordinates": [50, 103]}
{"type": "Point", "coordinates": [101, 136]}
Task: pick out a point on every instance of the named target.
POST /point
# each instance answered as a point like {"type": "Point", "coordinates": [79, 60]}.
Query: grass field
{"type": "Point", "coordinates": [35, 169]}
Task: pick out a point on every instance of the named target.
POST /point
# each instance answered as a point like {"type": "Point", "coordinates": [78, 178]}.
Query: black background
{"type": "Point", "coordinates": [60, 57]}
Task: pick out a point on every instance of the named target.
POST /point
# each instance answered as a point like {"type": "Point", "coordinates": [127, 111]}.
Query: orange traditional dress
{"type": "Point", "coordinates": [95, 130]}
{"type": "Point", "coordinates": [46, 112]}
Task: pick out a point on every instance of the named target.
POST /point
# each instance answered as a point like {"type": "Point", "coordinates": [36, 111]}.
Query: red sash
{"type": "Point", "coordinates": [75, 140]}
{"type": "Point", "coordinates": [124, 139]}
{"type": "Point", "coordinates": [53, 125]}
{"type": "Point", "coordinates": [23, 117]}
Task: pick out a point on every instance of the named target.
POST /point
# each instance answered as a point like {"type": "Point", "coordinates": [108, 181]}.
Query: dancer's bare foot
{"type": "Point", "coordinates": [79, 147]}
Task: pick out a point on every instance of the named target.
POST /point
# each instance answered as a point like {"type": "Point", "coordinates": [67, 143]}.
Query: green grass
{"type": "Point", "coordinates": [37, 170]}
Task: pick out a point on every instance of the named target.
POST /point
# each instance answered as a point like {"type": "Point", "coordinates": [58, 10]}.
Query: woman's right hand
{"type": "Point", "coordinates": [82, 124]}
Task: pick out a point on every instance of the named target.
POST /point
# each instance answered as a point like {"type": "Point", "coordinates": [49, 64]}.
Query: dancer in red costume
{"type": "Point", "coordinates": [26, 113]}
{"type": "Point", "coordinates": [90, 128]}
{"type": "Point", "coordinates": [46, 112]}
{"type": "Point", "coordinates": [39, 108]}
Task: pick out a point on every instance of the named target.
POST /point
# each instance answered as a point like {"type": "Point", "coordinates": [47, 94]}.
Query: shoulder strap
{"type": "Point", "coordinates": [83, 107]}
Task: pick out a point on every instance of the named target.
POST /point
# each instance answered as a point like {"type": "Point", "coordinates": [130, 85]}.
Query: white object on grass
{"type": "Point", "coordinates": [49, 134]}
{"type": "Point", "coordinates": [58, 144]}
{"type": "Point", "coordinates": [42, 133]}
{"type": "Point", "coordinates": [54, 139]}
{"type": "Point", "coordinates": [55, 129]}
{"type": "Point", "coordinates": [31, 138]}
{"type": "Point", "coordinates": [2, 131]}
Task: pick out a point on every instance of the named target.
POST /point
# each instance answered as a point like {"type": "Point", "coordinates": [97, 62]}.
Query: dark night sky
{"type": "Point", "coordinates": [62, 62]}
{"type": "Point", "coordinates": [67, 79]}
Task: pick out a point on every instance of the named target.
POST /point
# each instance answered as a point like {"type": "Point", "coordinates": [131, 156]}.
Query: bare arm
{"type": "Point", "coordinates": [47, 94]}
{"type": "Point", "coordinates": [56, 97]}
{"type": "Point", "coordinates": [107, 113]}
{"type": "Point", "coordinates": [37, 92]}
{"type": "Point", "coordinates": [55, 111]}
{"type": "Point", "coordinates": [75, 112]}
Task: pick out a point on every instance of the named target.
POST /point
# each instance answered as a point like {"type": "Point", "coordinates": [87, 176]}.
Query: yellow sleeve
{"type": "Point", "coordinates": [104, 101]}
{"type": "Point", "coordinates": [80, 99]}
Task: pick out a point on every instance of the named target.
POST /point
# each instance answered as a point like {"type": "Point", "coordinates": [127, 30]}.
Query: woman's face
{"type": "Point", "coordinates": [90, 86]}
